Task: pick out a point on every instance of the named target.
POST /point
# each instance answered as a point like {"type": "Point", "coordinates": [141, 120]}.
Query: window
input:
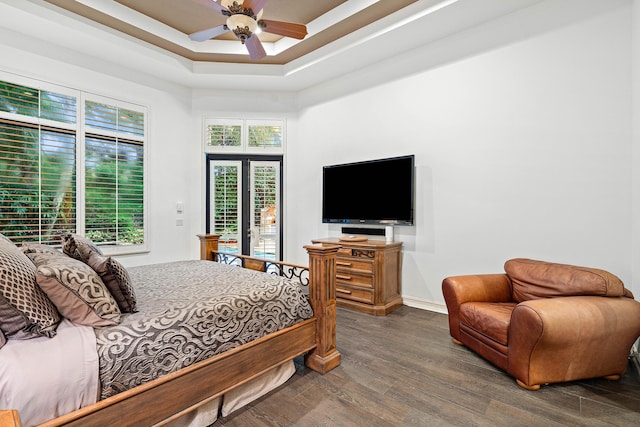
{"type": "Point", "coordinates": [257, 136]}
{"type": "Point", "coordinates": [60, 174]}
{"type": "Point", "coordinates": [114, 174]}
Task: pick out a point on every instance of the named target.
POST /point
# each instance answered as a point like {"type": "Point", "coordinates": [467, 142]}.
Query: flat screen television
{"type": "Point", "coordinates": [370, 192]}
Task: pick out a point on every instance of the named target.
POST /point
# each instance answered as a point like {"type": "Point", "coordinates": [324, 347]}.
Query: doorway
{"type": "Point", "coordinates": [244, 200]}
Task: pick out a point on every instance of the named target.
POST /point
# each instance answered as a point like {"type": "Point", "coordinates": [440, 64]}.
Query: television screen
{"type": "Point", "coordinates": [371, 192]}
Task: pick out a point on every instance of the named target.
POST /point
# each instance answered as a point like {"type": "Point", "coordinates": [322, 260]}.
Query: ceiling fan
{"type": "Point", "coordinates": [244, 18]}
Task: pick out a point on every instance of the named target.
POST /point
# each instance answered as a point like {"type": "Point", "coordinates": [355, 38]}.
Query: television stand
{"type": "Point", "coordinates": [368, 275]}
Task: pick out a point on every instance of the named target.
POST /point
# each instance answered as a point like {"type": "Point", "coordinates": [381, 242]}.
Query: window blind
{"type": "Point", "coordinates": [225, 194]}
{"type": "Point", "coordinates": [221, 135]}
{"type": "Point", "coordinates": [40, 136]}
{"type": "Point", "coordinates": [114, 175]}
{"type": "Point", "coordinates": [265, 135]}
{"type": "Point", "coordinates": [264, 198]}
{"type": "Point", "coordinates": [37, 164]}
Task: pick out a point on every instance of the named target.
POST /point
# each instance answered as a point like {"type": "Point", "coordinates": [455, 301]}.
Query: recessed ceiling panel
{"type": "Point", "coordinates": [167, 24]}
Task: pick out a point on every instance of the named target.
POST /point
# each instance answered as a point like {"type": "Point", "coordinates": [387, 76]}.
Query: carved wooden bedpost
{"type": "Point", "coordinates": [322, 295]}
{"type": "Point", "coordinates": [208, 243]}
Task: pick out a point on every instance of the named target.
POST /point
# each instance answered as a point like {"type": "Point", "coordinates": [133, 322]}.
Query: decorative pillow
{"type": "Point", "coordinates": [3, 339]}
{"type": "Point", "coordinates": [70, 242]}
{"type": "Point", "coordinates": [114, 276]}
{"type": "Point", "coordinates": [25, 311]}
{"type": "Point", "coordinates": [533, 279]}
{"type": "Point", "coordinates": [30, 247]}
{"type": "Point", "coordinates": [6, 239]}
{"type": "Point", "coordinates": [76, 290]}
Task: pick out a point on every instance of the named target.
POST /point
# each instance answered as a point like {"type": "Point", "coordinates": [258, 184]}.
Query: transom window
{"type": "Point", "coordinates": [255, 136]}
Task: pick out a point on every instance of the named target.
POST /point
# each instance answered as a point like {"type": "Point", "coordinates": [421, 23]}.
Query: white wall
{"type": "Point", "coordinates": [525, 135]}
{"type": "Point", "coordinates": [522, 150]}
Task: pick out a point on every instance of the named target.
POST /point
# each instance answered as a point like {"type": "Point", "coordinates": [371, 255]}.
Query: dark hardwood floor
{"type": "Point", "coordinates": [403, 369]}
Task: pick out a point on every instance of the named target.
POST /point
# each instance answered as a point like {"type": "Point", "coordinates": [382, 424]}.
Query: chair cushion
{"type": "Point", "coordinates": [490, 319]}
{"type": "Point", "coordinates": [533, 279]}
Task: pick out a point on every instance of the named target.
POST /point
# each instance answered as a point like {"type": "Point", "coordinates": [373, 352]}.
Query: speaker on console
{"type": "Point", "coordinates": [366, 231]}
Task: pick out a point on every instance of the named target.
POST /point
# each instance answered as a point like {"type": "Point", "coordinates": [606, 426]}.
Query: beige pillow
{"type": "Point", "coordinates": [3, 339]}
{"type": "Point", "coordinates": [30, 247]}
{"type": "Point", "coordinates": [70, 242]}
{"type": "Point", "coordinates": [25, 311]}
{"type": "Point", "coordinates": [114, 275]}
{"type": "Point", "coordinates": [76, 290]}
{"type": "Point", "coordinates": [6, 239]}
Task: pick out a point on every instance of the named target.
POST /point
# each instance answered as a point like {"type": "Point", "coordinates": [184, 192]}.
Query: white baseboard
{"type": "Point", "coordinates": [424, 305]}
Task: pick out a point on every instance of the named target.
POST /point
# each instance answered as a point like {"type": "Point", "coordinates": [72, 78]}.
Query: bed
{"type": "Point", "coordinates": [189, 364]}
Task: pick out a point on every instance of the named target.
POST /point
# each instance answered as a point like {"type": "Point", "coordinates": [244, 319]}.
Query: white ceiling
{"type": "Point", "coordinates": [54, 31]}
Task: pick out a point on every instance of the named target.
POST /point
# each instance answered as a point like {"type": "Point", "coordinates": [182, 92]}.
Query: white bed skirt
{"type": "Point", "coordinates": [236, 399]}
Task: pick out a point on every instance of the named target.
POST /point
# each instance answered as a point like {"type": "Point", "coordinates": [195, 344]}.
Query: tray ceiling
{"type": "Point", "coordinates": [167, 24]}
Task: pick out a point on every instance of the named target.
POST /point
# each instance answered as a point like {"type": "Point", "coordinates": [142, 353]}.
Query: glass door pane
{"type": "Point", "coordinates": [265, 209]}
{"type": "Point", "coordinates": [225, 200]}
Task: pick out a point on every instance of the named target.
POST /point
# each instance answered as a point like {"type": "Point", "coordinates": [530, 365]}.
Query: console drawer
{"type": "Point", "coordinates": [346, 277]}
{"type": "Point", "coordinates": [354, 294]}
{"type": "Point", "coordinates": [344, 263]}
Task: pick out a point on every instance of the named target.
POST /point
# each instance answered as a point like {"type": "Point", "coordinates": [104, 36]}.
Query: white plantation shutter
{"type": "Point", "coordinates": [225, 194]}
{"type": "Point", "coordinates": [37, 163]}
{"type": "Point", "coordinates": [223, 135]}
{"type": "Point", "coordinates": [264, 197]}
{"type": "Point", "coordinates": [265, 133]}
{"type": "Point", "coordinates": [265, 207]}
{"type": "Point", "coordinates": [114, 174]}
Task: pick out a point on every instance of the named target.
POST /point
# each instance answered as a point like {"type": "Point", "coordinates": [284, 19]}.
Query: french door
{"type": "Point", "coordinates": [244, 204]}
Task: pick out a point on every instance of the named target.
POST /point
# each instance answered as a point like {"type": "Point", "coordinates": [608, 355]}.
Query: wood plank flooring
{"type": "Point", "coordinates": [403, 369]}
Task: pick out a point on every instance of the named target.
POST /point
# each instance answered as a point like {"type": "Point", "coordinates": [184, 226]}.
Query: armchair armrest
{"type": "Point", "coordinates": [568, 338]}
{"type": "Point", "coordinates": [479, 287]}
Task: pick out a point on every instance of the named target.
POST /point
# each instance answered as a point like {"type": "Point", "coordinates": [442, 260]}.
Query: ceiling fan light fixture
{"type": "Point", "coordinates": [243, 26]}
{"type": "Point", "coordinates": [230, 3]}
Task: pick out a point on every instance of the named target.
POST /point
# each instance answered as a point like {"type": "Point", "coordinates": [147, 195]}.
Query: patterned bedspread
{"type": "Point", "coordinates": [189, 311]}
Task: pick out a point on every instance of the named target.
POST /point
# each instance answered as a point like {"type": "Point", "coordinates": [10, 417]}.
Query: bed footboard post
{"type": "Point", "coordinates": [208, 244]}
{"type": "Point", "coordinates": [322, 295]}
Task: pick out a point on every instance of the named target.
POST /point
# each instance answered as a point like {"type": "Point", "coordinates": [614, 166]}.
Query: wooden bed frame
{"type": "Point", "coordinates": [171, 396]}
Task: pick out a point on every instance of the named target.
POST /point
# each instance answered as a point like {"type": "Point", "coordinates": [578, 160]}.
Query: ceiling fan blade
{"type": "Point", "coordinates": [213, 5]}
{"type": "Point", "coordinates": [255, 48]}
{"type": "Point", "coordinates": [255, 5]}
{"type": "Point", "coordinates": [287, 29]}
{"type": "Point", "coordinates": [207, 34]}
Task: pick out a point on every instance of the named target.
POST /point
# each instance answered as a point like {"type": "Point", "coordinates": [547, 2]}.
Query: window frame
{"type": "Point", "coordinates": [80, 131]}
{"type": "Point", "coordinates": [245, 124]}
{"type": "Point", "coordinates": [81, 176]}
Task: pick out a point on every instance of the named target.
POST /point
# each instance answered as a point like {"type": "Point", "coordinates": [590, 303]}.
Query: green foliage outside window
{"type": "Point", "coordinates": [38, 169]}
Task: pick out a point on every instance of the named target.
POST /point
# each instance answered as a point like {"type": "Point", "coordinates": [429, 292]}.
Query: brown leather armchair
{"type": "Point", "coordinates": [543, 322]}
